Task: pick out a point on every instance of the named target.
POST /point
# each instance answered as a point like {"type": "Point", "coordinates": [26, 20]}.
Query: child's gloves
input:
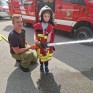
{"type": "Point", "coordinates": [46, 45]}
{"type": "Point", "coordinates": [54, 48]}
{"type": "Point", "coordinates": [41, 44]}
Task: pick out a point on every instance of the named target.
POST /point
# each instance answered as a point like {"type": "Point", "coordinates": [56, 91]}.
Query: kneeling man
{"type": "Point", "coordinates": [18, 44]}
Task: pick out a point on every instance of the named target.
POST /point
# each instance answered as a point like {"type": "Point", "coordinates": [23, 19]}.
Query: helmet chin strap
{"type": "Point", "coordinates": [45, 22]}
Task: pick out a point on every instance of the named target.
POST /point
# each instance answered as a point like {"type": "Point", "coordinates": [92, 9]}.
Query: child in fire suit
{"type": "Point", "coordinates": [44, 33]}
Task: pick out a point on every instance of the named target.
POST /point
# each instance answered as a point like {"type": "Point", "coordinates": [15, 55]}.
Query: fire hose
{"type": "Point", "coordinates": [70, 42]}
{"type": "Point", "coordinates": [46, 45]}
{"type": "Point", "coordinates": [2, 37]}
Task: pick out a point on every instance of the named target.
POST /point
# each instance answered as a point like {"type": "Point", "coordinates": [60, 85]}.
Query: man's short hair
{"type": "Point", "coordinates": [15, 16]}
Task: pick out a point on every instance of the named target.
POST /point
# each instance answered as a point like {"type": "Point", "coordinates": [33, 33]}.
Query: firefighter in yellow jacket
{"type": "Point", "coordinates": [44, 33]}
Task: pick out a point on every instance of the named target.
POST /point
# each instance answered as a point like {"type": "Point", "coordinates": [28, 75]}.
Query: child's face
{"type": "Point", "coordinates": [46, 16]}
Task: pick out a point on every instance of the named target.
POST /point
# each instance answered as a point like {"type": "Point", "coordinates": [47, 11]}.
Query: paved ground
{"type": "Point", "coordinates": [62, 78]}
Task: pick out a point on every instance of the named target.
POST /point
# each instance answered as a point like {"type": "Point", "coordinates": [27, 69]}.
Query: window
{"type": "Point", "coordinates": [76, 1]}
{"type": "Point", "coordinates": [91, 0]}
{"type": "Point", "coordinates": [82, 2]}
{"type": "Point", "coordinates": [68, 1]}
{"type": "Point", "coordinates": [42, 3]}
{"type": "Point", "coordinates": [26, 2]}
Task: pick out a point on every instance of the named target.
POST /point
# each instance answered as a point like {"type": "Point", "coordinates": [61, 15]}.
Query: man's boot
{"type": "Point", "coordinates": [24, 69]}
{"type": "Point", "coordinates": [18, 60]}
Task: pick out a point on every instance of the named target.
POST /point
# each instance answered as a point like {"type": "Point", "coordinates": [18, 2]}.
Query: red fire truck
{"type": "Point", "coordinates": [75, 16]}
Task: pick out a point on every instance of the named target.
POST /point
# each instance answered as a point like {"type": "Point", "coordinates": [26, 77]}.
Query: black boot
{"type": "Point", "coordinates": [41, 69]}
{"type": "Point", "coordinates": [46, 69]}
{"type": "Point", "coordinates": [24, 69]}
{"type": "Point", "coordinates": [18, 60]}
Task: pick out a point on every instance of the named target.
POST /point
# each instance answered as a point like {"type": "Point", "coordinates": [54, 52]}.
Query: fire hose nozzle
{"type": "Point", "coordinates": [42, 45]}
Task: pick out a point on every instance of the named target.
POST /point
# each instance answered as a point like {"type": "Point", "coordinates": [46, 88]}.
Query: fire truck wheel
{"type": "Point", "coordinates": [84, 33]}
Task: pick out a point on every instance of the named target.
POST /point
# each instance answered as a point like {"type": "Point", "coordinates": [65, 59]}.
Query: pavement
{"type": "Point", "coordinates": [61, 79]}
